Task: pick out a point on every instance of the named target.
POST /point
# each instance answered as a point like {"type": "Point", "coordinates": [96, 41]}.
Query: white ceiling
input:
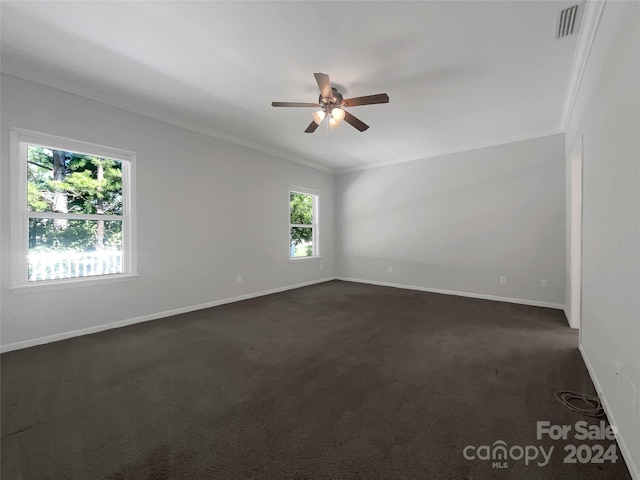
{"type": "Point", "coordinates": [460, 75]}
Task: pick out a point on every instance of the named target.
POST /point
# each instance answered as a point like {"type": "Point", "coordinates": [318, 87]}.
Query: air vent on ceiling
{"type": "Point", "coordinates": [567, 22]}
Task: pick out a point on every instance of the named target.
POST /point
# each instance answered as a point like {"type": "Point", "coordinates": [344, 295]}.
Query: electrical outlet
{"type": "Point", "coordinates": [618, 371]}
{"type": "Point", "coordinates": [544, 283]}
{"type": "Point", "coordinates": [239, 278]}
{"type": "Point", "coordinates": [503, 280]}
{"type": "Point", "coordinates": [321, 266]}
{"type": "Point", "coordinates": [390, 269]}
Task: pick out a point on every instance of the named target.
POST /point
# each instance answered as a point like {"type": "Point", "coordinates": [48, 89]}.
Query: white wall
{"type": "Point", "coordinates": [458, 222]}
{"type": "Point", "coordinates": [208, 210]}
{"type": "Point", "coordinates": [607, 114]}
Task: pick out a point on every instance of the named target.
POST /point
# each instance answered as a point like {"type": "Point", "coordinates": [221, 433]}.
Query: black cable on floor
{"type": "Point", "coordinates": [568, 399]}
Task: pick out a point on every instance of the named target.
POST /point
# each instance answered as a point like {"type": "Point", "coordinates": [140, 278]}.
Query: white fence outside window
{"type": "Point", "coordinates": [55, 265]}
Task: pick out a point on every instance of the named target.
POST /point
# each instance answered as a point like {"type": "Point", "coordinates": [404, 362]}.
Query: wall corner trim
{"type": "Point", "coordinates": [567, 315]}
{"type": "Point", "coordinates": [590, 21]}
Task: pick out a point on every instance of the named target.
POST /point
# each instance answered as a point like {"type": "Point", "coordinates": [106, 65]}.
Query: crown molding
{"type": "Point", "coordinates": [466, 148]}
{"type": "Point", "coordinates": [167, 119]}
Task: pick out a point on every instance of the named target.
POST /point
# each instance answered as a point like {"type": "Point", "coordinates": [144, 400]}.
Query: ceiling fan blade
{"type": "Point", "coordinates": [311, 128]}
{"type": "Point", "coordinates": [293, 104]}
{"type": "Point", "coordinates": [366, 100]}
{"type": "Point", "coordinates": [325, 84]}
{"type": "Point", "coordinates": [356, 122]}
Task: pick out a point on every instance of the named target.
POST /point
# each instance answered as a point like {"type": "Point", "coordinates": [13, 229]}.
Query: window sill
{"type": "Point", "coordinates": [45, 285]}
{"type": "Point", "coordinates": [297, 259]}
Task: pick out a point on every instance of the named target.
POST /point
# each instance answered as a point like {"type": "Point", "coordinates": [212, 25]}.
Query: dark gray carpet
{"type": "Point", "coordinates": [337, 380]}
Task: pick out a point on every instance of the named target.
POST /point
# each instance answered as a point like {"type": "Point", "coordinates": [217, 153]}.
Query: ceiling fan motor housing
{"type": "Point", "coordinates": [330, 103]}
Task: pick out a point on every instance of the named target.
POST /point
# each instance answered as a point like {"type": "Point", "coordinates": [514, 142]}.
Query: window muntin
{"type": "Point", "coordinates": [72, 217]}
{"type": "Point", "coordinates": [303, 223]}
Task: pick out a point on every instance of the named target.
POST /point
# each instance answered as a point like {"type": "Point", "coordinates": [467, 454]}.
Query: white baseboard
{"type": "Point", "coordinates": [569, 318]}
{"type": "Point", "coordinates": [521, 301]}
{"type": "Point", "coordinates": [153, 316]}
{"type": "Point", "coordinates": [634, 469]}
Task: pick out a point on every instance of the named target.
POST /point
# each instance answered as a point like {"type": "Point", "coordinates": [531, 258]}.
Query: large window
{"type": "Point", "coordinates": [72, 210]}
{"type": "Point", "coordinates": [303, 223]}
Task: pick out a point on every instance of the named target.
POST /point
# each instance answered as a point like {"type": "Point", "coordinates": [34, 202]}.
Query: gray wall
{"type": "Point", "coordinates": [208, 210]}
{"type": "Point", "coordinates": [458, 222]}
{"type": "Point", "coordinates": [454, 223]}
{"type": "Point", "coordinates": [607, 114]}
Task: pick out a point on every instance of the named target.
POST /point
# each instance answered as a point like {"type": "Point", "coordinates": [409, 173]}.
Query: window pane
{"type": "Point", "coordinates": [60, 248]}
{"type": "Point", "coordinates": [68, 182]}
{"type": "Point", "coordinates": [301, 208]}
{"type": "Point", "coordinates": [301, 242]}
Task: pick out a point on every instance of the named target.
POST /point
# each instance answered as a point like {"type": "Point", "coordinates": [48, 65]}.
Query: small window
{"type": "Point", "coordinates": [72, 206]}
{"type": "Point", "coordinates": [303, 223]}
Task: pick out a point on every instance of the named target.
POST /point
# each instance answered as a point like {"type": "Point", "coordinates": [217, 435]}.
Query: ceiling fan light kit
{"type": "Point", "coordinates": [338, 114]}
{"type": "Point", "coordinates": [318, 116]}
{"type": "Point", "coordinates": [331, 104]}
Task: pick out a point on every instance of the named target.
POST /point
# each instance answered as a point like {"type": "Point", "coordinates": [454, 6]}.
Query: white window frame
{"type": "Point", "coordinates": [315, 194]}
{"type": "Point", "coordinates": [19, 141]}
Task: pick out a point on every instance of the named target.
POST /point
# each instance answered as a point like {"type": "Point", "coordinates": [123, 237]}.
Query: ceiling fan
{"type": "Point", "coordinates": [331, 105]}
